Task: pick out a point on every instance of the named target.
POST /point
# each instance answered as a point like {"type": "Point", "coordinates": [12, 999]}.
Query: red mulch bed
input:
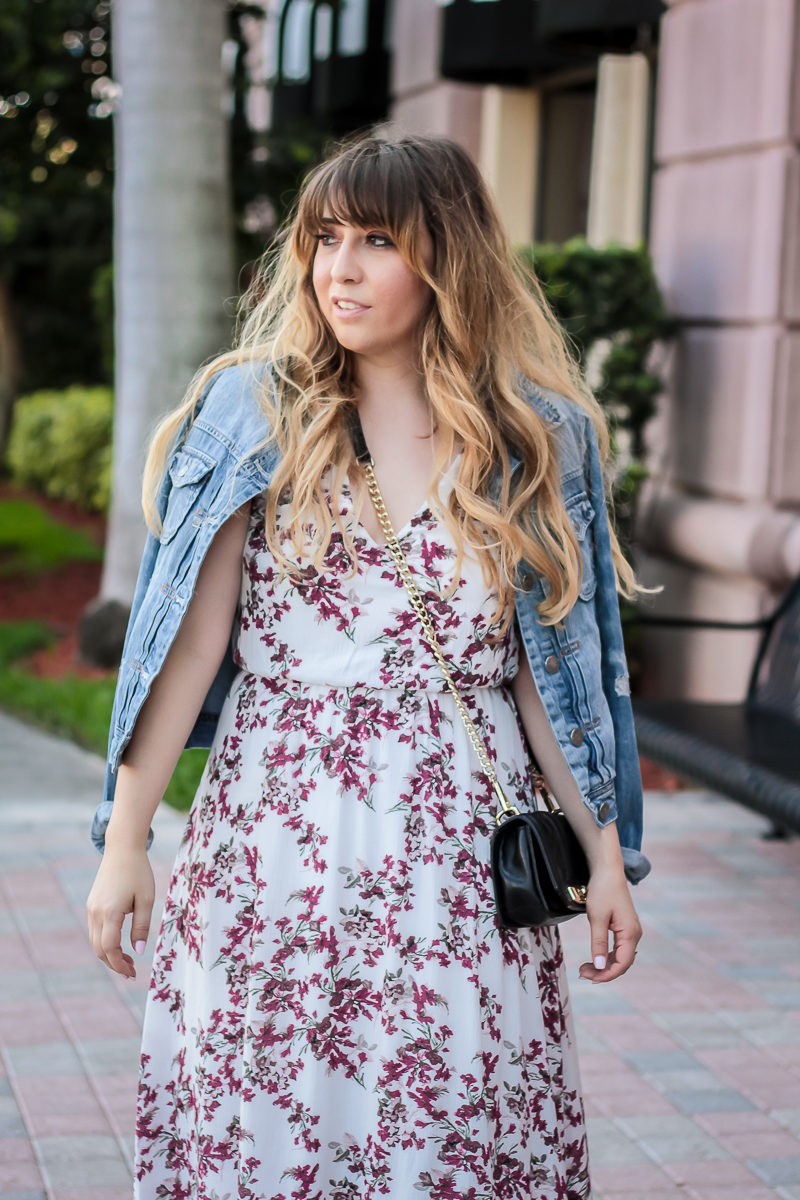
{"type": "Point", "coordinates": [56, 597]}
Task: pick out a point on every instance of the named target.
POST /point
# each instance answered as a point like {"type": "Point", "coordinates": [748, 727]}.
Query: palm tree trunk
{"type": "Point", "coordinates": [173, 242]}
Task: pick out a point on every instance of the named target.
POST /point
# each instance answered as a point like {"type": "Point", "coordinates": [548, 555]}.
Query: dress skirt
{"type": "Point", "coordinates": [334, 1012]}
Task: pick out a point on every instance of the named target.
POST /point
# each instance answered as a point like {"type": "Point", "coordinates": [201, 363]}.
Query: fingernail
{"type": "Point", "coordinates": [139, 948]}
{"type": "Point", "coordinates": [600, 961]}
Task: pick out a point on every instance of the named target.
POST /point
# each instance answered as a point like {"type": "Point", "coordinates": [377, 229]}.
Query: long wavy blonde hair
{"type": "Point", "coordinates": [486, 322]}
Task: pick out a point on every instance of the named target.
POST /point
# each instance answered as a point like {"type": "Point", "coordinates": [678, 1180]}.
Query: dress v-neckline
{"type": "Point", "coordinates": [424, 507]}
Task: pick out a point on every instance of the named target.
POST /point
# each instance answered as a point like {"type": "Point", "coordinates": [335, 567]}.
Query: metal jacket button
{"type": "Point", "coordinates": [603, 811]}
{"type": "Point", "coordinates": [551, 664]}
{"type": "Point", "coordinates": [576, 737]}
{"type": "Point", "coordinates": [526, 583]}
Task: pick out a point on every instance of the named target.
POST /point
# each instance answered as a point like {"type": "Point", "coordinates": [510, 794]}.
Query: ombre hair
{"type": "Point", "coordinates": [487, 323]}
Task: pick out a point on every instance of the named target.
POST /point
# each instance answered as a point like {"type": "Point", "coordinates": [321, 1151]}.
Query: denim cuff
{"type": "Point", "coordinates": [637, 865]}
{"type": "Point", "coordinates": [102, 815]}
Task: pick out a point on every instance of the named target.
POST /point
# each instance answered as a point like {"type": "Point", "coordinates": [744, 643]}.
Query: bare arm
{"type": "Point", "coordinates": [609, 904]}
{"type": "Point", "coordinates": [124, 881]}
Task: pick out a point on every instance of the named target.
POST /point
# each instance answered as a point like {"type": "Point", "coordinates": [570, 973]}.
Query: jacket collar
{"type": "Point", "coordinates": [266, 461]}
{"type": "Point", "coordinates": [546, 409]}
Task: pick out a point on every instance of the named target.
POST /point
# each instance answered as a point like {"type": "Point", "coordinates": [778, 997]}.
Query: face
{"type": "Point", "coordinates": [368, 293]}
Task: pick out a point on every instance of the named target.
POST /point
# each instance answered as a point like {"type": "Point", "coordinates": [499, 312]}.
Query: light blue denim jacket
{"type": "Point", "coordinates": [579, 669]}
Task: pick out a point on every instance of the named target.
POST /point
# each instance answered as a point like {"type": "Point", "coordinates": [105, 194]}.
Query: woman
{"type": "Point", "coordinates": [335, 1010]}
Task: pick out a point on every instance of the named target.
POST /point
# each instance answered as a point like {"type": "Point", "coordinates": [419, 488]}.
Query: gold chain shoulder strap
{"type": "Point", "coordinates": [418, 604]}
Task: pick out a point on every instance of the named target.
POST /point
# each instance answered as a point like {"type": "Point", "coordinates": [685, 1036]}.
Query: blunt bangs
{"type": "Point", "coordinates": [373, 186]}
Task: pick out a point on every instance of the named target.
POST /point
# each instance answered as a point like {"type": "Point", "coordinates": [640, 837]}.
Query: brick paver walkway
{"type": "Point", "coordinates": [691, 1063]}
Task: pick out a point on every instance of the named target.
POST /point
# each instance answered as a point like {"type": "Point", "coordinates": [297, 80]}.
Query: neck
{"type": "Point", "coordinates": [395, 390]}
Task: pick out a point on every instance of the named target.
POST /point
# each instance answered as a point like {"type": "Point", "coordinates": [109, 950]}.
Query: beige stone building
{"type": "Point", "coordinates": [614, 119]}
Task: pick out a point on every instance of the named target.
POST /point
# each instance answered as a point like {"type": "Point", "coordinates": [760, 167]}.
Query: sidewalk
{"type": "Point", "coordinates": [691, 1063]}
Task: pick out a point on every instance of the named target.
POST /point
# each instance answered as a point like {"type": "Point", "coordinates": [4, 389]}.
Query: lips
{"type": "Point", "coordinates": [345, 306]}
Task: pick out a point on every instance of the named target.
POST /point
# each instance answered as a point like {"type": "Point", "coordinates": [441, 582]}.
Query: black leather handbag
{"type": "Point", "coordinates": [539, 870]}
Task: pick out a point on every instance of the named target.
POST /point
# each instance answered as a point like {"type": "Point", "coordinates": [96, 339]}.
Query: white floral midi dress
{"type": "Point", "coordinates": [334, 1013]}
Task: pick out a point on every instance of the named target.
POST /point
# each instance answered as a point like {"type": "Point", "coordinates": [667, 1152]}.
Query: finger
{"type": "Point", "coordinates": [97, 922]}
{"type": "Point", "coordinates": [95, 935]}
{"type": "Point", "coordinates": [624, 952]}
{"type": "Point", "coordinates": [598, 927]}
{"type": "Point", "coordinates": [111, 945]}
{"type": "Point", "coordinates": [620, 959]}
{"type": "Point", "coordinates": [140, 925]}
{"type": "Point", "coordinates": [90, 928]}
{"type": "Point", "coordinates": [617, 965]}
{"type": "Point", "coordinates": [98, 949]}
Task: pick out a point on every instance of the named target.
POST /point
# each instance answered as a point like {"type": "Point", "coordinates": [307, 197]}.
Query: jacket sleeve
{"type": "Point", "coordinates": [102, 813]}
{"type": "Point", "coordinates": [616, 682]}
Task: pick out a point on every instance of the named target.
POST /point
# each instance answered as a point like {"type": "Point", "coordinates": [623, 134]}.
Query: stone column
{"type": "Point", "coordinates": [509, 153]}
{"type": "Point", "coordinates": [724, 238]}
{"type": "Point", "coordinates": [619, 150]}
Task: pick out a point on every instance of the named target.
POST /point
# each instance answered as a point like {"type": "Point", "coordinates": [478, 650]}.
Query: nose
{"type": "Point", "coordinates": [345, 267]}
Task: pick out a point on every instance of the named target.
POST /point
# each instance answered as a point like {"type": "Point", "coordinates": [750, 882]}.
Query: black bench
{"type": "Point", "coordinates": [748, 751]}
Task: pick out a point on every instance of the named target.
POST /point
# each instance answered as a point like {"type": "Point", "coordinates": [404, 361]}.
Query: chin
{"type": "Point", "coordinates": [355, 344]}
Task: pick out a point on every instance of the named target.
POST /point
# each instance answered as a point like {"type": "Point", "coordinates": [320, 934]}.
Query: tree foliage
{"type": "Point", "coordinates": [56, 163]}
{"type": "Point", "coordinates": [57, 98]}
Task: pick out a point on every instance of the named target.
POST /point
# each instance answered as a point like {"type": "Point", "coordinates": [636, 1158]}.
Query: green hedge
{"type": "Point", "coordinates": [610, 295]}
{"type": "Point", "coordinates": [610, 304]}
{"type": "Point", "coordinates": [60, 444]}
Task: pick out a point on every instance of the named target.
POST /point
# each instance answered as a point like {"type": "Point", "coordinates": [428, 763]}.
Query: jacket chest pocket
{"type": "Point", "coordinates": [581, 513]}
{"type": "Point", "coordinates": [188, 472]}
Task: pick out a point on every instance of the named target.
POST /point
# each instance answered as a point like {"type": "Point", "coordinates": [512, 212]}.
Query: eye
{"type": "Point", "coordinates": [379, 240]}
{"type": "Point", "coordinates": [324, 239]}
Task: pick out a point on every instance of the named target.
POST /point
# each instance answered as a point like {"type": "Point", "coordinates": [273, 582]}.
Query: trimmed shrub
{"type": "Point", "coordinates": [60, 445]}
{"type": "Point", "coordinates": [610, 304]}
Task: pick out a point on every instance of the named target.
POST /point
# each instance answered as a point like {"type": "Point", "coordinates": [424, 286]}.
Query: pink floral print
{"type": "Point", "coordinates": [334, 1012]}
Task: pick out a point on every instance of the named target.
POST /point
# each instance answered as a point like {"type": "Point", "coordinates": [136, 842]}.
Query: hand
{"type": "Point", "coordinates": [124, 884]}
{"type": "Point", "coordinates": [610, 908]}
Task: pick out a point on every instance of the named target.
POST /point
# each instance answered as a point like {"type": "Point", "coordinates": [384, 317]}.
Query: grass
{"type": "Point", "coordinates": [75, 708]}
{"type": "Point", "coordinates": [19, 638]}
{"type": "Point", "coordinates": [31, 541]}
